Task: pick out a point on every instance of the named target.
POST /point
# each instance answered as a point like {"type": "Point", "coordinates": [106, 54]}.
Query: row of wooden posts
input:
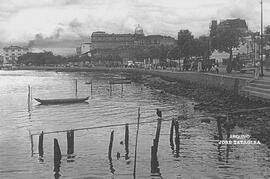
{"type": "Point", "coordinates": [174, 143]}
{"type": "Point", "coordinates": [111, 82]}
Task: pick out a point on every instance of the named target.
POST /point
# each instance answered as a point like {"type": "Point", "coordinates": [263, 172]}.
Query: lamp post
{"type": "Point", "coordinates": [261, 39]}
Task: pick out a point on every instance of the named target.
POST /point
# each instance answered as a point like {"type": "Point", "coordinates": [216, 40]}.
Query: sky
{"type": "Point", "coordinates": [71, 20]}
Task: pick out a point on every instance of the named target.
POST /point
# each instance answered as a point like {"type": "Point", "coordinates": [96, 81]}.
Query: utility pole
{"type": "Point", "coordinates": [261, 39]}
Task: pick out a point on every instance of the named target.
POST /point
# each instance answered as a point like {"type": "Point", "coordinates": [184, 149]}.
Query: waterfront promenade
{"type": "Point", "coordinates": [238, 83]}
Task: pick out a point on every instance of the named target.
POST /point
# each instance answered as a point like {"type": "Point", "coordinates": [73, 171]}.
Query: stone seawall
{"type": "Point", "coordinates": [222, 82]}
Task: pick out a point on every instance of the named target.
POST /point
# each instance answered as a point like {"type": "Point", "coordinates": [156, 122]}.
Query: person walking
{"type": "Point", "coordinates": [257, 70]}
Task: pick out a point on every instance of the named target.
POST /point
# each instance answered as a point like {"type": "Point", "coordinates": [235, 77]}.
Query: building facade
{"type": "Point", "coordinates": [85, 48]}
{"type": "Point", "coordinates": [233, 24]}
{"type": "Point", "coordinates": [12, 53]}
{"type": "Point", "coordinates": [125, 44]}
{"type": "Point", "coordinates": [103, 40]}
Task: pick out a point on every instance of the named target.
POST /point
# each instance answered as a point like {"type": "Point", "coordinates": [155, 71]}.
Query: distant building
{"type": "Point", "coordinates": [233, 24]}
{"type": "Point", "coordinates": [12, 53]}
{"type": "Point", "coordinates": [1, 58]}
{"type": "Point", "coordinates": [103, 40]}
{"type": "Point", "coordinates": [155, 40]}
{"type": "Point", "coordinates": [103, 43]}
{"type": "Point", "coordinates": [85, 48]}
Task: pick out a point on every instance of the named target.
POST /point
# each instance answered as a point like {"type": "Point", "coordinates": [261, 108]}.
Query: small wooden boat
{"type": "Point", "coordinates": [88, 83]}
{"type": "Point", "coordinates": [61, 101]}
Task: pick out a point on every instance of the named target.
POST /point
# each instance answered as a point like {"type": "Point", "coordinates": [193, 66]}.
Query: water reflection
{"type": "Point", "coordinates": [221, 153]}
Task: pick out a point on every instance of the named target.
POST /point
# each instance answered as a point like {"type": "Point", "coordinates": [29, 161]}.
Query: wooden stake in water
{"type": "Point", "coordinates": [122, 89]}
{"type": "Point", "coordinates": [29, 98]}
{"type": "Point", "coordinates": [110, 145]}
{"type": "Point", "coordinates": [70, 142]}
{"type": "Point", "coordinates": [110, 153]}
{"type": "Point", "coordinates": [110, 88]}
{"type": "Point", "coordinates": [76, 87]}
{"type": "Point", "coordinates": [40, 145]}
{"type": "Point", "coordinates": [126, 141]}
{"type": "Point", "coordinates": [91, 87]}
{"type": "Point", "coordinates": [219, 129]}
{"type": "Point", "coordinates": [177, 138]}
{"type": "Point", "coordinates": [154, 148]}
{"type": "Point", "coordinates": [171, 135]}
{"type": "Point", "coordinates": [32, 144]}
{"type": "Point", "coordinates": [137, 133]}
{"type": "Point", "coordinates": [228, 122]}
{"type": "Point", "coordinates": [57, 156]}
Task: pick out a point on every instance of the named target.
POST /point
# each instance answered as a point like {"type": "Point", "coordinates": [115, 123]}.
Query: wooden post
{"type": "Point", "coordinates": [228, 122]}
{"type": "Point", "coordinates": [110, 145]}
{"type": "Point", "coordinates": [32, 144]}
{"type": "Point", "coordinates": [137, 133]}
{"type": "Point", "coordinates": [70, 142]}
{"type": "Point", "coordinates": [154, 148]}
{"type": "Point", "coordinates": [219, 129]}
{"type": "Point", "coordinates": [91, 87]}
{"type": "Point", "coordinates": [76, 87]}
{"type": "Point", "coordinates": [171, 135]}
{"type": "Point", "coordinates": [40, 145]}
{"type": "Point", "coordinates": [158, 132]}
{"type": "Point", "coordinates": [29, 99]}
{"type": "Point", "coordinates": [122, 89]}
{"type": "Point", "coordinates": [57, 156]}
{"type": "Point", "coordinates": [177, 138]}
{"type": "Point", "coordinates": [126, 141]}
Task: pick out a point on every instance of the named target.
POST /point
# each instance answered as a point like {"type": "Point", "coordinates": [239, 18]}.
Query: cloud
{"type": "Point", "coordinates": [22, 20]}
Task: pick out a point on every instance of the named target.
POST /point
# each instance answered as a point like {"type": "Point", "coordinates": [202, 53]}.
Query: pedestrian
{"type": "Point", "coordinates": [257, 70]}
{"type": "Point", "coordinates": [216, 68]}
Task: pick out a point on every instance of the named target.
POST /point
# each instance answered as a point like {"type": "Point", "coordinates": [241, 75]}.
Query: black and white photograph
{"type": "Point", "coordinates": [134, 89]}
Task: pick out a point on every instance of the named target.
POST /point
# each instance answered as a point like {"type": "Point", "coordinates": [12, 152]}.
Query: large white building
{"type": "Point", "coordinates": [12, 53]}
{"type": "Point", "coordinates": [85, 48]}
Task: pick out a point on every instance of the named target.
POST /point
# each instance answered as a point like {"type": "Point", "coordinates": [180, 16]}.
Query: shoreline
{"type": "Point", "coordinates": [208, 91]}
{"type": "Point", "coordinates": [211, 80]}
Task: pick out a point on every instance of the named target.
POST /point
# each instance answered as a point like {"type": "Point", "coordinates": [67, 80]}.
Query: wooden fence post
{"type": "Point", "coordinates": [70, 142]}
{"type": "Point", "coordinates": [40, 145]}
{"type": "Point", "coordinates": [76, 87]}
{"type": "Point", "coordinates": [57, 156]}
{"type": "Point", "coordinates": [219, 129]}
{"type": "Point", "coordinates": [137, 133]}
{"type": "Point", "coordinates": [110, 145]}
{"type": "Point", "coordinates": [171, 135]}
{"type": "Point", "coordinates": [177, 138]}
{"type": "Point", "coordinates": [126, 141]}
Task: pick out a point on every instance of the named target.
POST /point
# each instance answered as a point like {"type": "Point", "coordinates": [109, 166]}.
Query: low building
{"type": "Point", "coordinates": [12, 53]}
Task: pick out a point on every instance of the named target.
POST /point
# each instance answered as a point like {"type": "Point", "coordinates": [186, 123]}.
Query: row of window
{"type": "Point", "coordinates": [19, 54]}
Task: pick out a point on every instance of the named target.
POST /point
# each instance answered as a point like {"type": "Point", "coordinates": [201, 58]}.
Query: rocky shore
{"type": "Point", "coordinates": [218, 103]}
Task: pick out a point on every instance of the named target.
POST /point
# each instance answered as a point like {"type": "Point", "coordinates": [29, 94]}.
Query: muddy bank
{"type": "Point", "coordinates": [217, 102]}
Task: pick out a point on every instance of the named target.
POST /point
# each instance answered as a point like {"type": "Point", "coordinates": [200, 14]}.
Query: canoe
{"type": "Point", "coordinates": [61, 101]}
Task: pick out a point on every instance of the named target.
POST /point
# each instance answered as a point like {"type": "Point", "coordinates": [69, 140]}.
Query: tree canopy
{"type": "Point", "coordinates": [40, 58]}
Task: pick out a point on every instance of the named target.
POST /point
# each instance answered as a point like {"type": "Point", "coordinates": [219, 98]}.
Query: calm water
{"type": "Point", "coordinates": [200, 156]}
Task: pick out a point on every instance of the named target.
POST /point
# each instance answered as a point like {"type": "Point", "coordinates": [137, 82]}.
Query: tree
{"type": "Point", "coordinates": [201, 47]}
{"type": "Point", "coordinates": [40, 58]}
{"type": "Point", "coordinates": [185, 43]}
{"type": "Point", "coordinates": [225, 40]}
